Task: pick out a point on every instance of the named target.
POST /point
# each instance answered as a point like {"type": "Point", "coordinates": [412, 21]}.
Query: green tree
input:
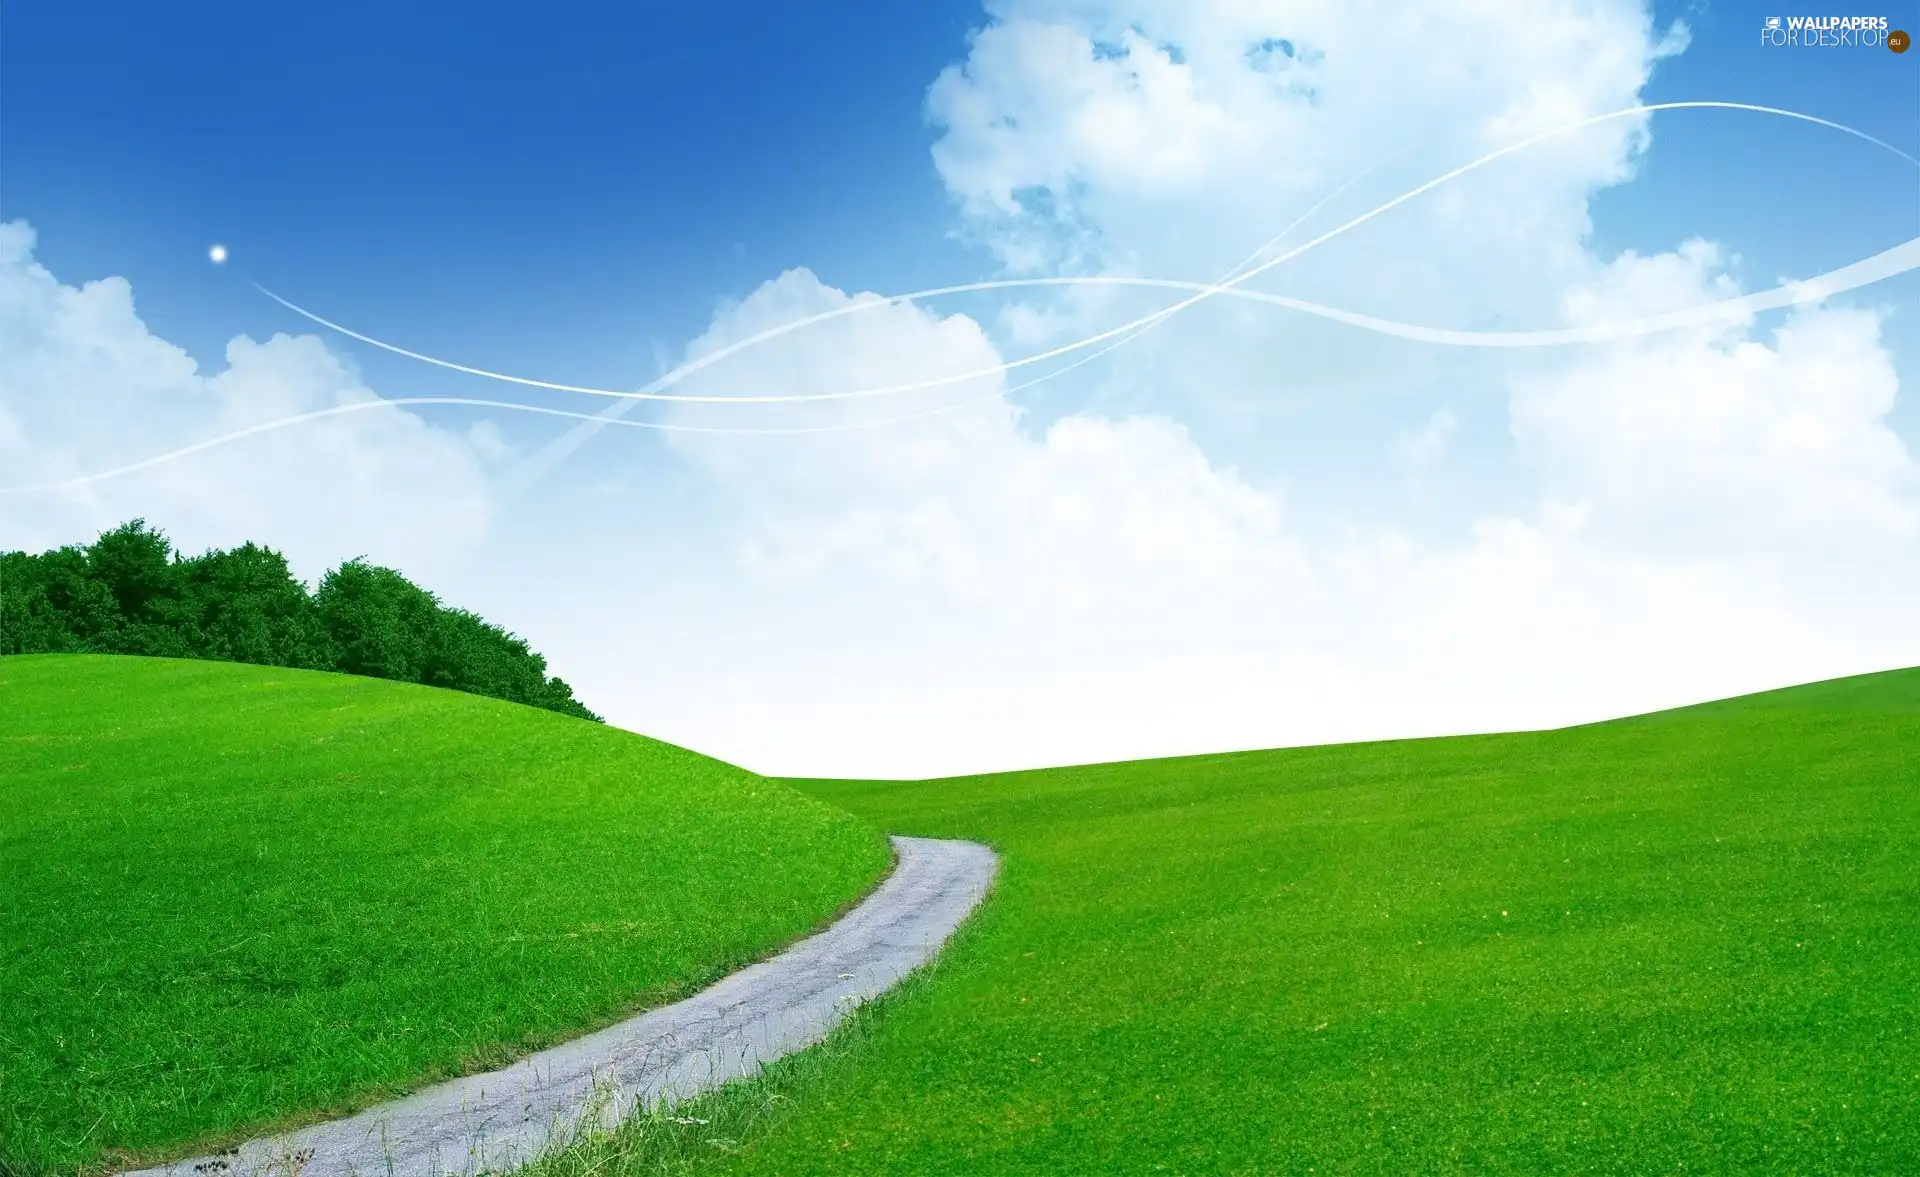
{"type": "Point", "coordinates": [383, 625]}
{"type": "Point", "coordinates": [53, 605]}
{"type": "Point", "coordinates": [135, 564]}
{"type": "Point", "coordinates": [129, 593]}
{"type": "Point", "coordinates": [244, 605]}
{"type": "Point", "coordinates": [380, 623]}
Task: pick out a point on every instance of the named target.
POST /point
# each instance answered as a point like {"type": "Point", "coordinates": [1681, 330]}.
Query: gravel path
{"type": "Point", "coordinates": [502, 1119]}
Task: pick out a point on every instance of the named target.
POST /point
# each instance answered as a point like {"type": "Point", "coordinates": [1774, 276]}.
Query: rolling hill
{"type": "Point", "coordinates": [239, 896]}
{"type": "Point", "coordinates": [1679, 943]}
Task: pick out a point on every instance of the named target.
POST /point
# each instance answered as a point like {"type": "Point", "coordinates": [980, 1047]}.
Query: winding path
{"type": "Point", "coordinates": [502, 1119]}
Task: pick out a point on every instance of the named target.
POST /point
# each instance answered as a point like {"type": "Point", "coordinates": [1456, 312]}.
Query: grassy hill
{"type": "Point", "coordinates": [234, 896]}
{"type": "Point", "coordinates": [1682, 943]}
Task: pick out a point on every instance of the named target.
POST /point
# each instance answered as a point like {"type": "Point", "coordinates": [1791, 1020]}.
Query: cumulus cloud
{"type": "Point", "coordinates": [1168, 559]}
{"type": "Point", "coordinates": [1714, 438]}
{"type": "Point", "coordinates": [964, 592]}
{"type": "Point", "coordinates": [86, 387]}
{"type": "Point", "coordinates": [962, 498]}
{"type": "Point", "coordinates": [1150, 133]}
{"type": "Point", "coordinates": [989, 587]}
{"type": "Point", "coordinates": [1169, 138]}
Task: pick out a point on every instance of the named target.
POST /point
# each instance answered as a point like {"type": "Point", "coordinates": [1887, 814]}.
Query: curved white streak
{"type": "Point", "coordinates": [1881, 266]}
{"type": "Point", "coordinates": [474, 402]}
{"type": "Point", "coordinates": [1218, 284]}
{"type": "Point", "coordinates": [1886, 264]}
{"type": "Point", "coordinates": [558, 450]}
{"type": "Point", "coordinates": [1898, 260]}
{"type": "Point", "coordinates": [596, 419]}
{"type": "Point", "coordinates": [1204, 291]}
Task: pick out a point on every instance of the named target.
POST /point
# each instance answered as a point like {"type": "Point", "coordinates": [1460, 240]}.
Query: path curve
{"type": "Point", "coordinates": [502, 1119]}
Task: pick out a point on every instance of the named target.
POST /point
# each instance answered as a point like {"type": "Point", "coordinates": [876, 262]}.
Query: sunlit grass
{"type": "Point", "coordinates": [1678, 943]}
{"type": "Point", "coordinates": [236, 896]}
{"type": "Point", "coordinates": [1684, 943]}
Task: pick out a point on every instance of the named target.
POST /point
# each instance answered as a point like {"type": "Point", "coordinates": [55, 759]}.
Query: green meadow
{"type": "Point", "coordinates": [234, 897]}
{"type": "Point", "coordinates": [1681, 943]}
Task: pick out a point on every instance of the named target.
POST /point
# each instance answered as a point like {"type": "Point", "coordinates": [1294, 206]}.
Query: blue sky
{"type": "Point", "coordinates": [1255, 500]}
{"type": "Point", "coordinates": [594, 167]}
{"type": "Point", "coordinates": [575, 183]}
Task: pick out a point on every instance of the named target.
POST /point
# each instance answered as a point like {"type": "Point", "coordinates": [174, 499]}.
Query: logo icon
{"type": "Point", "coordinates": [1898, 40]}
{"type": "Point", "coordinates": [1773, 23]}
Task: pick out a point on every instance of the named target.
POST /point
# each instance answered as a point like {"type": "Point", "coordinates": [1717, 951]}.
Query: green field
{"type": "Point", "coordinates": [1683, 943]}
{"type": "Point", "coordinates": [235, 896]}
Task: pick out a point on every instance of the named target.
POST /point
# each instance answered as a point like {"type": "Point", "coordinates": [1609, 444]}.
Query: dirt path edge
{"type": "Point", "coordinates": [503, 1119]}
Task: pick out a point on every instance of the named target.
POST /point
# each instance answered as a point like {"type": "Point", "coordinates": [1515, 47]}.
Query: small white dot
{"type": "Point", "coordinates": [218, 253]}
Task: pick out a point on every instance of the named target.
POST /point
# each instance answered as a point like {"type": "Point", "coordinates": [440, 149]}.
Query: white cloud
{"type": "Point", "coordinates": [1156, 134]}
{"type": "Point", "coordinates": [973, 591]}
{"type": "Point", "coordinates": [487, 441]}
{"type": "Point", "coordinates": [1169, 138]}
{"type": "Point", "coordinates": [962, 594]}
{"type": "Point", "coordinates": [965, 501]}
{"type": "Point", "coordinates": [1418, 452]}
{"type": "Point", "coordinates": [85, 387]}
{"type": "Point", "coordinates": [1714, 439]}
{"type": "Point", "coordinates": [1699, 513]}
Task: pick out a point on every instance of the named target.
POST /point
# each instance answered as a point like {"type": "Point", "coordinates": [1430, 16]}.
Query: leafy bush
{"type": "Point", "coordinates": [130, 593]}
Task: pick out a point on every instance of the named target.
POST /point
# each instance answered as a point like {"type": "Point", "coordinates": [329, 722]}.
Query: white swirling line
{"type": "Point", "coordinates": [526, 473]}
{"type": "Point", "coordinates": [1888, 263]}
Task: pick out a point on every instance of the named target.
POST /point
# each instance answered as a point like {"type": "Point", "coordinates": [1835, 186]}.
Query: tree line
{"type": "Point", "coordinates": [129, 592]}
